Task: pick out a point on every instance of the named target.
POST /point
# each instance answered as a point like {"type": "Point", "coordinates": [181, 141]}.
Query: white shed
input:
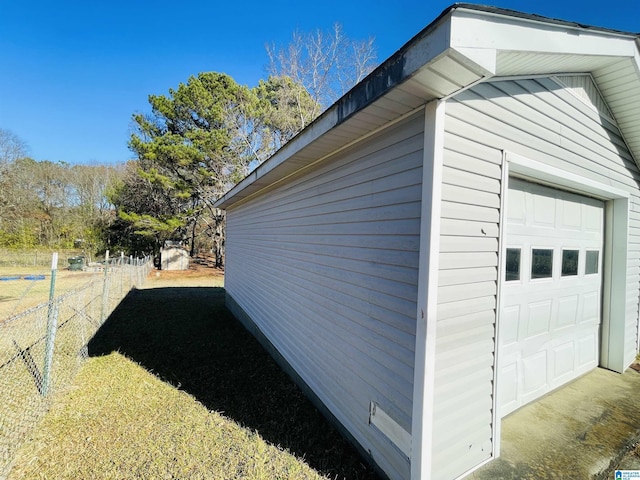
{"type": "Point", "coordinates": [455, 237]}
{"type": "Point", "coordinates": [174, 256]}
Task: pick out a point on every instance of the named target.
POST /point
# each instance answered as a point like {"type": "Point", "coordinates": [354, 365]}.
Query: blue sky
{"type": "Point", "coordinates": [73, 72]}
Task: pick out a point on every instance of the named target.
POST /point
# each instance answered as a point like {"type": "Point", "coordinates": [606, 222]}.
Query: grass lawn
{"type": "Point", "coordinates": [123, 422]}
{"type": "Point", "coordinates": [19, 295]}
{"type": "Point", "coordinates": [176, 388]}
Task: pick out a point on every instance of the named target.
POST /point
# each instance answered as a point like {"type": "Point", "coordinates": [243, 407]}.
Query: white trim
{"type": "Point", "coordinates": [614, 285]}
{"type": "Point", "coordinates": [485, 30]}
{"type": "Point", "coordinates": [466, 87]}
{"type": "Point", "coordinates": [425, 351]}
{"type": "Point", "coordinates": [390, 428]}
{"type": "Point", "coordinates": [500, 14]}
{"type": "Point", "coordinates": [484, 60]}
{"type": "Point", "coordinates": [614, 272]}
{"type": "Point", "coordinates": [496, 423]}
{"type": "Point", "coordinates": [523, 167]}
{"type": "Point", "coordinates": [504, 78]}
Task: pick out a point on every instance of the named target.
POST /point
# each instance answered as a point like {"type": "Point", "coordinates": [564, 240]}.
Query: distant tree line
{"type": "Point", "coordinates": [195, 144]}
{"type": "Point", "coordinates": [54, 205]}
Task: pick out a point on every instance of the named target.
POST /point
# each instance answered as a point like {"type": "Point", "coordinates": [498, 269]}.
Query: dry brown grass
{"type": "Point", "coordinates": [19, 295]}
{"type": "Point", "coordinates": [123, 422]}
{"type": "Point", "coordinates": [177, 388]}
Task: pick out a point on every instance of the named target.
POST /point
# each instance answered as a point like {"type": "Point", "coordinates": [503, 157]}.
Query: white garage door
{"type": "Point", "coordinates": [551, 297]}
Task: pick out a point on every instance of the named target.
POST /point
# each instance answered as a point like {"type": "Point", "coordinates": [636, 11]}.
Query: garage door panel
{"type": "Point", "coordinates": [566, 235]}
{"type": "Point", "coordinates": [591, 309]}
{"type": "Point", "coordinates": [563, 360]}
{"type": "Point", "coordinates": [571, 216]}
{"type": "Point", "coordinates": [534, 345]}
{"type": "Point", "coordinates": [538, 319]}
{"type": "Point", "coordinates": [509, 325]}
{"type": "Point", "coordinates": [509, 394]}
{"type": "Point", "coordinates": [516, 211]}
{"type": "Point", "coordinates": [567, 311]}
{"type": "Point", "coordinates": [587, 350]}
{"type": "Point", "coordinates": [544, 211]}
{"type": "Point", "coordinates": [594, 217]}
{"type": "Point", "coordinates": [534, 375]}
{"type": "Point", "coordinates": [549, 327]}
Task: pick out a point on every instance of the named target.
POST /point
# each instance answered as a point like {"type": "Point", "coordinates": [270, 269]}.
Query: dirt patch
{"type": "Point", "coordinates": [201, 273]}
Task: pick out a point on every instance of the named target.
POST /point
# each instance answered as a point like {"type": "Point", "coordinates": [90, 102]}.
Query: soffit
{"type": "Point", "coordinates": [616, 77]}
{"type": "Point", "coordinates": [528, 45]}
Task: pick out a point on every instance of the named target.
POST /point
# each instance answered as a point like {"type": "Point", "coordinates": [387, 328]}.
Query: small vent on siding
{"type": "Point", "coordinates": [387, 425]}
{"type": "Point", "coordinates": [582, 86]}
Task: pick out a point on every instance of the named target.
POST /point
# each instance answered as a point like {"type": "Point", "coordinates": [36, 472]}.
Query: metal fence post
{"type": "Point", "coordinates": [52, 326]}
{"type": "Point", "coordinates": [121, 274]}
{"type": "Point", "coordinates": [131, 271]}
{"type": "Point", "coordinates": [105, 287]}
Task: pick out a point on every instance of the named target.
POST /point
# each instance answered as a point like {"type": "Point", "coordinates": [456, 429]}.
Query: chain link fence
{"type": "Point", "coordinates": [33, 258]}
{"type": "Point", "coordinates": [42, 348]}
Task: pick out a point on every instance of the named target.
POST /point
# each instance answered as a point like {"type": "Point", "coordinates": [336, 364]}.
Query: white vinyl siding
{"type": "Point", "coordinates": [583, 87]}
{"type": "Point", "coordinates": [326, 267]}
{"type": "Point", "coordinates": [537, 119]}
{"type": "Point", "coordinates": [465, 329]}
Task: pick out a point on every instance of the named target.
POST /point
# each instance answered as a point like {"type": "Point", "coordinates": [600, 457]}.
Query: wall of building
{"type": "Point", "coordinates": [325, 265]}
{"type": "Point", "coordinates": [544, 121]}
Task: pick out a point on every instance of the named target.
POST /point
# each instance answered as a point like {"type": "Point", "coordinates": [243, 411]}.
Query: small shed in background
{"type": "Point", "coordinates": [174, 256]}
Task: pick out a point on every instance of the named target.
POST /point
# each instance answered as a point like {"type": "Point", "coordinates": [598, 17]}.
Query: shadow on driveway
{"type": "Point", "coordinates": [186, 337]}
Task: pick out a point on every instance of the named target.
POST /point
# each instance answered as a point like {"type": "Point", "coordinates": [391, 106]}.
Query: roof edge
{"type": "Point", "coordinates": [424, 47]}
{"type": "Point", "coordinates": [536, 18]}
{"type": "Point", "coordinates": [380, 81]}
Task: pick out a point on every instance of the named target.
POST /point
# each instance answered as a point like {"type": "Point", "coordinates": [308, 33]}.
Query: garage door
{"type": "Point", "coordinates": [551, 296]}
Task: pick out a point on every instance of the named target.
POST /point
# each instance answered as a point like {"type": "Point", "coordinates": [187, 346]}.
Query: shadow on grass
{"type": "Point", "coordinates": [189, 339]}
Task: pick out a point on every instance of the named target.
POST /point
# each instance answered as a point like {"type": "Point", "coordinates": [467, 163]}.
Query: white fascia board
{"type": "Point", "coordinates": [426, 48]}
{"type": "Point", "coordinates": [636, 56]}
{"type": "Point", "coordinates": [473, 29]}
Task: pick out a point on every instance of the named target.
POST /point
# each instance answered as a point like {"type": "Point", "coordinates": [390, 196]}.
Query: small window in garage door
{"type": "Point", "coordinates": [512, 264]}
{"type": "Point", "coordinates": [541, 263]}
{"type": "Point", "coordinates": [570, 260]}
{"type": "Point", "coordinates": [591, 264]}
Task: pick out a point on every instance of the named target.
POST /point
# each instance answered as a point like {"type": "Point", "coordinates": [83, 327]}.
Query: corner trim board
{"type": "Point", "coordinates": [425, 350]}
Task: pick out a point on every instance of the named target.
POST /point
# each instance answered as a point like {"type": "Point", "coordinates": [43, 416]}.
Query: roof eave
{"type": "Point", "coordinates": [418, 52]}
{"type": "Point", "coordinates": [466, 44]}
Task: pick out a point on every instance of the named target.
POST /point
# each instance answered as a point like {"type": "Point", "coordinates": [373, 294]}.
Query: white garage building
{"type": "Point", "coordinates": [455, 237]}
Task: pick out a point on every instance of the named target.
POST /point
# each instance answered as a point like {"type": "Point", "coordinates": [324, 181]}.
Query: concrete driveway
{"type": "Point", "coordinates": [584, 430]}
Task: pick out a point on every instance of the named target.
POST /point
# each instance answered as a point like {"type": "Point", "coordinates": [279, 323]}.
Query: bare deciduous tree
{"type": "Point", "coordinates": [326, 63]}
{"type": "Point", "coordinates": [12, 147]}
